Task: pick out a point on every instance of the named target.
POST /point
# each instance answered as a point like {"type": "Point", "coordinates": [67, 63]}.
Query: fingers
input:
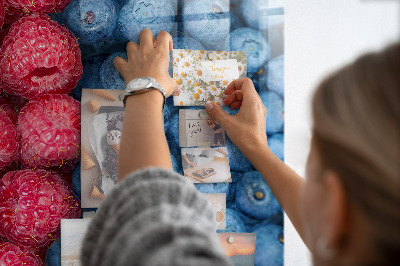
{"type": "Point", "coordinates": [245, 85]}
{"type": "Point", "coordinates": [120, 64]}
{"type": "Point", "coordinates": [147, 40]}
{"type": "Point", "coordinates": [132, 48]}
{"type": "Point", "coordinates": [177, 92]}
{"type": "Point", "coordinates": [236, 96]}
{"type": "Point", "coordinates": [164, 41]}
{"type": "Point", "coordinates": [218, 113]}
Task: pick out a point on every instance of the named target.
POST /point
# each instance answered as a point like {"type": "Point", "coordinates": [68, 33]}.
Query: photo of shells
{"type": "Point", "coordinates": [218, 201]}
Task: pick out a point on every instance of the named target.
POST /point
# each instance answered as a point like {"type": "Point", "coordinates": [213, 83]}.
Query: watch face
{"type": "Point", "coordinates": [140, 83]}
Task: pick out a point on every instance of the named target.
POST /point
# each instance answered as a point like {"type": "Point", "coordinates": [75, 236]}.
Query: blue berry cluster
{"type": "Point", "coordinates": [255, 26]}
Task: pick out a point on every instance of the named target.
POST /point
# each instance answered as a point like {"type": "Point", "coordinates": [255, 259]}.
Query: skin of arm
{"type": "Point", "coordinates": [143, 141]}
{"type": "Point", "coordinates": [247, 129]}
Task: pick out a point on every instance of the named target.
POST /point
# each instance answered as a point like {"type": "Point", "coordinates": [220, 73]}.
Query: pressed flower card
{"type": "Point", "coordinates": [204, 75]}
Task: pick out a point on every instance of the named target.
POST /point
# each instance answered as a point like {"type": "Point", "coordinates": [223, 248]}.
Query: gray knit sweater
{"type": "Point", "coordinates": [153, 217]}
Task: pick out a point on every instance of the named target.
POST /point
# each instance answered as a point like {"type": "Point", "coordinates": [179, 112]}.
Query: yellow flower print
{"type": "Point", "coordinates": [181, 103]}
{"type": "Point", "coordinates": [202, 51]}
{"type": "Point", "coordinates": [183, 75]}
{"type": "Point", "coordinates": [199, 73]}
{"type": "Point", "coordinates": [196, 84]}
{"type": "Point", "coordinates": [187, 64]}
{"type": "Point", "coordinates": [179, 81]}
{"type": "Point", "coordinates": [225, 82]}
{"type": "Point", "coordinates": [199, 91]}
{"type": "Point", "coordinates": [196, 96]}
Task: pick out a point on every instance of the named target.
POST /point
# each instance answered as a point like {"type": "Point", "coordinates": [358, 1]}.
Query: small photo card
{"type": "Point", "coordinates": [198, 129]}
{"type": "Point", "coordinates": [72, 234]}
{"type": "Point", "coordinates": [206, 165]}
{"type": "Point", "coordinates": [218, 201]}
{"type": "Point", "coordinates": [102, 115]}
{"type": "Point", "coordinates": [204, 75]}
{"type": "Point", "coordinates": [240, 248]}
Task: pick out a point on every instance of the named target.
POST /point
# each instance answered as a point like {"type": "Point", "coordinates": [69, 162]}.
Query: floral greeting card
{"type": "Point", "coordinates": [204, 75]}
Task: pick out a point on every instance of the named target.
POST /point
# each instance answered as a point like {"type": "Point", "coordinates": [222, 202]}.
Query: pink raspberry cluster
{"type": "Point", "coordinates": [38, 56]}
{"type": "Point", "coordinates": [8, 136]}
{"type": "Point", "coordinates": [32, 204]}
{"type": "Point", "coordinates": [11, 254]}
{"type": "Point", "coordinates": [49, 129]}
{"type": "Point", "coordinates": [39, 6]}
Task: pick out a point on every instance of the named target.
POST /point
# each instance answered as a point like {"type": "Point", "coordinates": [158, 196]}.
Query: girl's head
{"type": "Point", "coordinates": [351, 200]}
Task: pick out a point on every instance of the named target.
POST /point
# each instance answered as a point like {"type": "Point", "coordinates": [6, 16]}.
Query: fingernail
{"type": "Point", "coordinates": [209, 106]}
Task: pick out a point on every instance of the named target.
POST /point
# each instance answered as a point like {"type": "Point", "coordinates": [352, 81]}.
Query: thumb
{"type": "Point", "coordinates": [218, 113]}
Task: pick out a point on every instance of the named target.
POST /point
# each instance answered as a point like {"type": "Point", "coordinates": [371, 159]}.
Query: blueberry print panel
{"type": "Point", "coordinates": [204, 75]}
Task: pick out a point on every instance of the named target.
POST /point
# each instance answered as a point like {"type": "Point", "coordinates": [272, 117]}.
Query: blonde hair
{"type": "Point", "coordinates": [356, 114]}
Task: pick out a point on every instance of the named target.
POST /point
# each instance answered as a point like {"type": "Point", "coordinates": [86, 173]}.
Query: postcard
{"type": "Point", "coordinates": [206, 165]}
{"type": "Point", "coordinates": [198, 129]}
{"type": "Point", "coordinates": [102, 115]}
{"type": "Point", "coordinates": [204, 75]}
{"type": "Point", "coordinates": [239, 247]}
{"type": "Point", "coordinates": [218, 201]}
{"type": "Point", "coordinates": [72, 234]}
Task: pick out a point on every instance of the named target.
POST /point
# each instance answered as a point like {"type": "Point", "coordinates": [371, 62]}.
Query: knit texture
{"type": "Point", "coordinates": [153, 217]}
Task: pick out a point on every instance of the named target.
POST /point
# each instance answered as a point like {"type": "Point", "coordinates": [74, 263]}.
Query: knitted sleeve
{"type": "Point", "coordinates": [153, 217]}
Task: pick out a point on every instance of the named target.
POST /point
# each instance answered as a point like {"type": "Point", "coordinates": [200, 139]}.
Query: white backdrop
{"type": "Point", "coordinates": [320, 36]}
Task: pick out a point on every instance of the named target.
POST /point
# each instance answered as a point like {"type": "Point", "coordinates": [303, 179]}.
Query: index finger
{"type": "Point", "coordinates": [244, 84]}
{"type": "Point", "coordinates": [164, 41]}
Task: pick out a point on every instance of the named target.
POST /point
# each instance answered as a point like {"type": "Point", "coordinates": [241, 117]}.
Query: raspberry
{"type": "Point", "coordinates": [40, 6]}
{"type": "Point", "coordinates": [12, 14]}
{"type": "Point", "coordinates": [8, 139]}
{"type": "Point", "coordinates": [10, 111]}
{"type": "Point", "coordinates": [32, 204]}
{"type": "Point", "coordinates": [38, 56]}
{"type": "Point", "coordinates": [1, 13]}
{"type": "Point", "coordinates": [11, 254]}
{"type": "Point", "coordinates": [49, 130]}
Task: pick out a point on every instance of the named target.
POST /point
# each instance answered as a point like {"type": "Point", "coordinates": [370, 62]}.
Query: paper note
{"type": "Point", "coordinates": [204, 75]}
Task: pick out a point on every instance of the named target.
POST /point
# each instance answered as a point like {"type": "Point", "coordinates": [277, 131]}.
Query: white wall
{"type": "Point", "coordinates": [320, 36]}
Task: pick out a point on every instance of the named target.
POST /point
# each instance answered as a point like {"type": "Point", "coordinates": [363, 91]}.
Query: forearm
{"type": "Point", "coordinates": [285, 183]}
{"type": "Point", "coordinates": [143, 141]}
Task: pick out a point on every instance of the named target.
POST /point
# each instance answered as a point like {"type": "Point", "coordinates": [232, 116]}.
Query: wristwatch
{"type": "Point", "coordinates": [140, 85]}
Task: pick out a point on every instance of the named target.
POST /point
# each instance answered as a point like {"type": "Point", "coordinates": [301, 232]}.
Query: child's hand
{"type": "Point", "coordinates": [247, 129]}
{"type": "Point", "coordinates": [150, 59]}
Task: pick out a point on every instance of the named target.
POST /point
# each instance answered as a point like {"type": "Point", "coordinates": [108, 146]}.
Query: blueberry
{"type": "Point", "coordinates": [255, 13]}
{"type": "Point", "coordinates": [254, 198]}
{"type": "Point", "coordinates": [208, 21]}
{"type": "Point", "coordinates": [151, 14]}
{"type": "Point", "coordinates": [252, 42]}
{"type": "Point", "coordinates": [258, 79]}
{"type": "Point", "coordinates": [90, 20]}
{"type": "Point", "coordinates": [274, 79]}
{"type": "Point", "coordinates": [213, 188]}
{"type": "Point", "coordinates": [275, 112]}
{"type": "Point", "coordinates": [237, 161]}
{"type": "Point", "coordinates": [91, 76]}
{"type": "Point", "coordinates": [76, 181]}
{"type": "Point", "coordinates": [269, 244]}
{"type": "Point", "coordinates": [176, 164]}
{"type": "Point", "coordinates": [119, 3]}
{"type": "Point", "coordinates": [53, 254]}
{"type": "Point", "coordinates": [236, 21]}
{"type": "Point", "coordinates": [173, 130]}
{"type": "Point", "coordinates": [235, 222]}
{"type": "Point", "coordinates": [275, 143]}
{"type": "Point", "coordinates": [109, 75]}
